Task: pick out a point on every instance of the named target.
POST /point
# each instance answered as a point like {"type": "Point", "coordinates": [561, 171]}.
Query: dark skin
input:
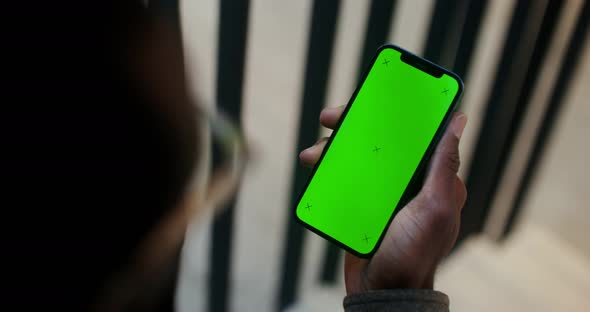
{"type": "Point", "coordinates": [423, 232]}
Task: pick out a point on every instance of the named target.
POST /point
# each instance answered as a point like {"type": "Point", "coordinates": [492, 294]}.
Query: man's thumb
{"type": "Point", "coordinates": [445, 161]}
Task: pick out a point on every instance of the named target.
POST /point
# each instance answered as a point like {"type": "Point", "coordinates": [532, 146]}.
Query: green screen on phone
{"type": "Point", "coordinates": [372, 156]}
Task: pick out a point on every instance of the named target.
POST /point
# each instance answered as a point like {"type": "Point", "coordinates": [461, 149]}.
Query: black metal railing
{"type": "Point", "coordinates": [319, 52]}
{"type": "Point", "coordinates": [452, 38]}
{"type": "Point", "coordinates": [231, 53]}
{"type": "Point", "coordinates": [569, 64]}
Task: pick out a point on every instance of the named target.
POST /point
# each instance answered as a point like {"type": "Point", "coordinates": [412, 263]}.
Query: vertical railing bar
{"type": "Point", "coordinates": [319, 52]}
{"type": "Point", "coordinates": [568, 67]}
{"type": "Point", "coordinates": [231, 55]}
{"type": "Point", "coordinates": [445, 13]}
{"type": "Point", "coordinates": [168, 9]}
{"type": "Point", "coordinates": [541, 47]}
{"type": "Point", "coordinates": [502, 113]}
{"type": "Point", "coordinates": [377, 30]}
{"type": "Point", "coordinates": [376, 34]}
{"type": "Point", "coordinates": [471, 30]}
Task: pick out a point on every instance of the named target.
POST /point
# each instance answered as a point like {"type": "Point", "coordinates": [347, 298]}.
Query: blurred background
{"type": "Point", "coordinates": [273, 65]}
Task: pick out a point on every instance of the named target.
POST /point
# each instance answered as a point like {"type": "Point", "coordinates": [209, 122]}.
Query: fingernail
{"type": "Point", "coordinates": [308, 149]}
{"type": "Point", "coordinates": [334, 108]}
{"type": "Point", "coordinates": [313, 146]}
{"type": "Point", "coordinates": [460, 122]}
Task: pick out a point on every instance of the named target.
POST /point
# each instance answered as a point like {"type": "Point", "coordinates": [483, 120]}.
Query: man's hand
{"type": "Point", "coordinates": [423, 232]}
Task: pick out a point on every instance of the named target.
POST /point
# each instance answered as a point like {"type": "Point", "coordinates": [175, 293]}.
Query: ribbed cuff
{"type": "Point", "coordinates": [398, 300]}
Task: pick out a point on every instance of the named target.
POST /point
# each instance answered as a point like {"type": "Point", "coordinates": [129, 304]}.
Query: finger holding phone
{"type": "Point", "coordinates": [373, 200]}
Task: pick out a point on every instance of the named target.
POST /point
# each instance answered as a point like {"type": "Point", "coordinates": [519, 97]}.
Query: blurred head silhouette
{"type": "Point", "coordinates": [99, 143]}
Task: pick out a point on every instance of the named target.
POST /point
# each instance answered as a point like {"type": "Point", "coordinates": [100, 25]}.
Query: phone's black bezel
{"type": "Point", "coordinates": [416, 181]}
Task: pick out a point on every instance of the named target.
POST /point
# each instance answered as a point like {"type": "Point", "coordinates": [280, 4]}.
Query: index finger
{"type": "Point", "coordinates": [330, 115]}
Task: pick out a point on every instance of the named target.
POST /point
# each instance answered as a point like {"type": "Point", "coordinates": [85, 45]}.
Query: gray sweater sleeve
{"type": "Point", "coordinates": [398, 300]}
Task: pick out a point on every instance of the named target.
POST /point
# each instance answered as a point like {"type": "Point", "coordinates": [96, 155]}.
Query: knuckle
{"type": "Point", "coordinates": [442, 221]}
{"type": "Point", "coordinates": [453, 160]}
{"type": "Point", "coordinates": [323, 116]}
{"type": "Point", "coordinates": [443, 213]}
{"type": "Point", "coordinates": [440, 211]}
{"type": "Point", "coordinates": [462, 192]}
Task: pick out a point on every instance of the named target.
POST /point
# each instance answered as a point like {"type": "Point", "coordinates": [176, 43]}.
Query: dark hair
{"type": "Point", "coordinates": [90, 162]}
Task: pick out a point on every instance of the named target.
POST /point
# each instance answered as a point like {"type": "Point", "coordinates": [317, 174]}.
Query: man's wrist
{"type": "Point", "coordinates": [401, 280]}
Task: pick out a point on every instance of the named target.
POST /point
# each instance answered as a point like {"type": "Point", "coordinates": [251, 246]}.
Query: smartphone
{"type": "Point", "coordinates": [375, 159]}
